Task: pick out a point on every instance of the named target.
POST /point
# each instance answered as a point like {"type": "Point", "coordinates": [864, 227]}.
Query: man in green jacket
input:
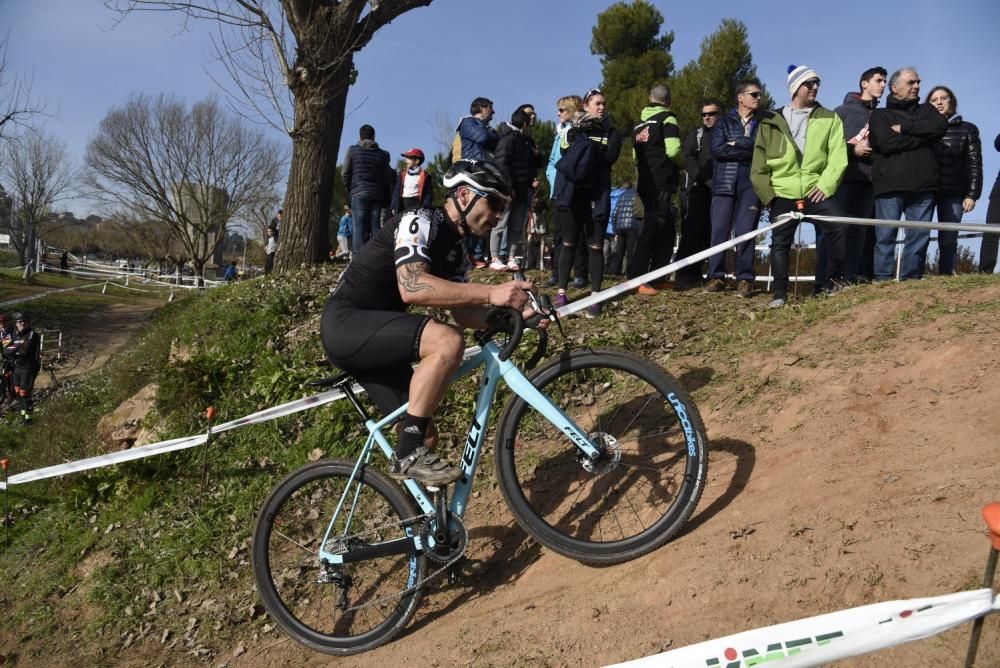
{"type": "Point", "coordinates": [799, 158]}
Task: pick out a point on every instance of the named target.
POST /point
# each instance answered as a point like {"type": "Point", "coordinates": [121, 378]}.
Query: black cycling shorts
{"type": "Point", "coordinates": [377, 347]}
{"type": "Point", "coordinates": [24, 379]}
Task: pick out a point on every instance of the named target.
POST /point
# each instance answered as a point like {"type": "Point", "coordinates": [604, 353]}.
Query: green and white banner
{"type": "Point", "coordinates": [818, 640]}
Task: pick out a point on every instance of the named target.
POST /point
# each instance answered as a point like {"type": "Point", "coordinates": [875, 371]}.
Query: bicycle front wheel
{"type": "Point", "coordinates": [342, 609]}
{"type": "Point", "coordinates": [638, 495]}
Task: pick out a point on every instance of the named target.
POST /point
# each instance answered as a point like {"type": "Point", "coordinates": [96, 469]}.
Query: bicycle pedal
{"type": "Point", "coordinates": [470, 568]}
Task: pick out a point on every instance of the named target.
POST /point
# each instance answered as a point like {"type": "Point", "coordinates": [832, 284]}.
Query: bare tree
{"type": "Point", "coordinates": [17, 105]}
{"type": "Point", "coordinates": [260, 212]}
{"type": "Point", "coordinates": [443, 125]}
{"type": "Point", "coordinates": [292, 62]}
{"type": "Point", "coordinates": [39, 173]}
{"type": "Point", "coordinates": [191, 170]}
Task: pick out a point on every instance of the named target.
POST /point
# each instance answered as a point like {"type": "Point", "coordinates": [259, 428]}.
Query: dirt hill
{"type": "Point", "coordinates": [847, 467]}
{"type": "Point", "coordinates": [853, 443]}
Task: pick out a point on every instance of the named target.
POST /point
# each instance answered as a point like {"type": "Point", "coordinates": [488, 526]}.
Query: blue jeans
{"type": "Point", "coordinates": [733, 216]}
{"type": "Point", "coordinates": [509, 232]}
{"type": "Point", "coordinates": [915, 207]}
{"type": "Point", "coordinates": [366, 215]}
{"type": "Point", "coordinates": [949, 210]}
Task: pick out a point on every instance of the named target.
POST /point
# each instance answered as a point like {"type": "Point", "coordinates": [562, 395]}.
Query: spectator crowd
{"type": "Point", "coordinates": [910, 158]}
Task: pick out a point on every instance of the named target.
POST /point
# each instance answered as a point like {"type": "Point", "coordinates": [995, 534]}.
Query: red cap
{"type": "Point", "coordinates": [415, 153]}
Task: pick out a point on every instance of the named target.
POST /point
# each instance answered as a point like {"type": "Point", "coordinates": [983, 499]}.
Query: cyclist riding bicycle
{"type": "Point", "coordinates": [418, 258]}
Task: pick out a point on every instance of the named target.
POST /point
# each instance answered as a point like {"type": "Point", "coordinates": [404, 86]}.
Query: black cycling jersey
{"type": "Point", "coordinates": [422, 235]}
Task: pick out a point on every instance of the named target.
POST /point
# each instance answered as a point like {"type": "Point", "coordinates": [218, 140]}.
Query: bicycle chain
{"type": "Point", "coordinates": [420, 583]}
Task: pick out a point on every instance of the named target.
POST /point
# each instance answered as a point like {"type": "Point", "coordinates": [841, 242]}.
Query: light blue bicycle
{"type": "Point", "coordinates": [600, 455]}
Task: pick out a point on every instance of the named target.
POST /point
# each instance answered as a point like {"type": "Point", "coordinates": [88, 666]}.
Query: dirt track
{"type": "Point", "coordinates": [94, 339]}
{"type": "Point", "coordinates": [845, 469]}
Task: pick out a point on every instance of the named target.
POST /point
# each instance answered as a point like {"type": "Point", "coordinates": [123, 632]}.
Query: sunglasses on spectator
{"type": "Point", "coordinates": [591, 93]}
{"type": "Point", "coordinates": [709, 114]}
{"type": "Point", "coordinates": [812, 83]}
{"type": "Point", "coordinates": [495, 202]}
{"type": "Point", "coordinates": [753, 93]}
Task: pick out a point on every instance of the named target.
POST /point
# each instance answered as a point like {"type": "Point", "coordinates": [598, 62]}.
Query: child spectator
{"type": "Point", "coordinates": [344, 233]}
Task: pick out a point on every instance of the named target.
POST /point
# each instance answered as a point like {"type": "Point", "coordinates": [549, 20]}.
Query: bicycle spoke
{"type": "Point", "coordinates": [638, 492]}
{"type": "Point", "coordinates": [339, 607]}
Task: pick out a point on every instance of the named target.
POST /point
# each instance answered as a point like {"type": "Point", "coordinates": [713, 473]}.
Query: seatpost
{"type": "Point", "coordinates": [348, 391]}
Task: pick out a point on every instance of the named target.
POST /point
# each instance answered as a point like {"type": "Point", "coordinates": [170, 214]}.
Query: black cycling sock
{"type": "Point", "coordinates": [412, 436]}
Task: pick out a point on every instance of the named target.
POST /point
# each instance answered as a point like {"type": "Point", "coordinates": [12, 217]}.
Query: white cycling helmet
{"type": "Point", "coordinates": [484, 179]}
{"type": "Point", "coordinates": [481, 175]}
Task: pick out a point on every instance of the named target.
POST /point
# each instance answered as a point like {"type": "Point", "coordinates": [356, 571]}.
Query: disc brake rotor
{"type": "Point", "coordinates": [609, 460]}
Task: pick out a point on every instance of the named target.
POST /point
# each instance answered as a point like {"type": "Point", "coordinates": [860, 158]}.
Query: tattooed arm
{"type": "Point", "coordinates": [417, 286]}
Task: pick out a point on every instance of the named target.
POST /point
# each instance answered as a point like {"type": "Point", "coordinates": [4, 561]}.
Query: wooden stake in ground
{"type": "Point", "coordinates": [991, 513]}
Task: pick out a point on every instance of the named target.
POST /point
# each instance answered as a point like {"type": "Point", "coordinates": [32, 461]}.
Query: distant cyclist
{"type": "Point", "coordinates": [6, 360]}
{"type": "Point", "coordinates": [26, 350]}
{"type": "Point", "coordinates": [418, 259]}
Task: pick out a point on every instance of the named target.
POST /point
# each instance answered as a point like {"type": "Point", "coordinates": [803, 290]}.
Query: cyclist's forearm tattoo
{"type": "Point", "coordinates": [410, 276]}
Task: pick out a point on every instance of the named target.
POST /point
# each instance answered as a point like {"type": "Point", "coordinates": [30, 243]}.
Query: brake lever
{"type": "Point", "coordinates": [540, 304]}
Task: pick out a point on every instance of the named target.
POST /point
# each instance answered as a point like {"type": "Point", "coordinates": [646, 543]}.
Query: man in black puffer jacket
{"type": "Point", "coordinates": [904, 176]}
{"type": "Point", "coordinates": [367, 177]}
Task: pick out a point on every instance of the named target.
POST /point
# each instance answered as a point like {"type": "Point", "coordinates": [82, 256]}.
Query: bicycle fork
{"type": "Point", "coordinates": [521, 386]}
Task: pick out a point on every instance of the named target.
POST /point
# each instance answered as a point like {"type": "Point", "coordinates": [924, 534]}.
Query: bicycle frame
{"type": "Point", "coordinates": [495, 371]}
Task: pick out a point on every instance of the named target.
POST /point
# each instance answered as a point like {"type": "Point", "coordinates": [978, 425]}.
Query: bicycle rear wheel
{"type": "Point", "coordinates": [639, 494]}
{"type": "Point", "coordinates": [301, 594]}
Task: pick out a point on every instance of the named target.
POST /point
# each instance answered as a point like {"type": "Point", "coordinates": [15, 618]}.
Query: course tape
{"type": "Point", "coordinates": [906, 224]}
{"type": "Point", "coordinates": [633, 283]}
{"type": "Point", "coordinates": [837, 635]}
{"type": "Point", "coordinates": [172, 445]}
{"type": "Point", "coordinates": [95, 270]}
{"type": "Point", "coordinates": [48, 293]}
{"type": "Point", "coordinates": [334, 395]}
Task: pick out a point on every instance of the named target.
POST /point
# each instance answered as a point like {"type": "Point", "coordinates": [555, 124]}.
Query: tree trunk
{"type": "Point", "coordinates": [319, 114]}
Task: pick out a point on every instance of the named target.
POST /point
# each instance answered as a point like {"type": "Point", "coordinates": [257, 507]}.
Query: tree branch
{"type": "Point", "coordinates": [382, 14]}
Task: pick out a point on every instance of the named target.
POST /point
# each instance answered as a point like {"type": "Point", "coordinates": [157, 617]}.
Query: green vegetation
{"type": "Point", "coordinates": [142, 548]}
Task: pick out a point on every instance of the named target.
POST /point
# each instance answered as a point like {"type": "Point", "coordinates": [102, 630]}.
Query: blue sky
{"type": "Point", "coordinates": [433, 61]}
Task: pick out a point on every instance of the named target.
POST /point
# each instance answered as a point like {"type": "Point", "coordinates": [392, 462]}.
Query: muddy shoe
{"type": "Point", "coordinates": [715, 285]}
{"type": "Point", "coordinates": [425, 467]}
{"type": "Point", "coordinates": [744, 289]}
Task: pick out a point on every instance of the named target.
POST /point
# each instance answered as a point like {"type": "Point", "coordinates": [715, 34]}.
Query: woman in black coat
{"type": "Point", "coordinates": [959, 159]}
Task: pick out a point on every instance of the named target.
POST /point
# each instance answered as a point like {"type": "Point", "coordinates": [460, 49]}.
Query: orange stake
{"type": "Point", "coordinates": [991, 513]}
